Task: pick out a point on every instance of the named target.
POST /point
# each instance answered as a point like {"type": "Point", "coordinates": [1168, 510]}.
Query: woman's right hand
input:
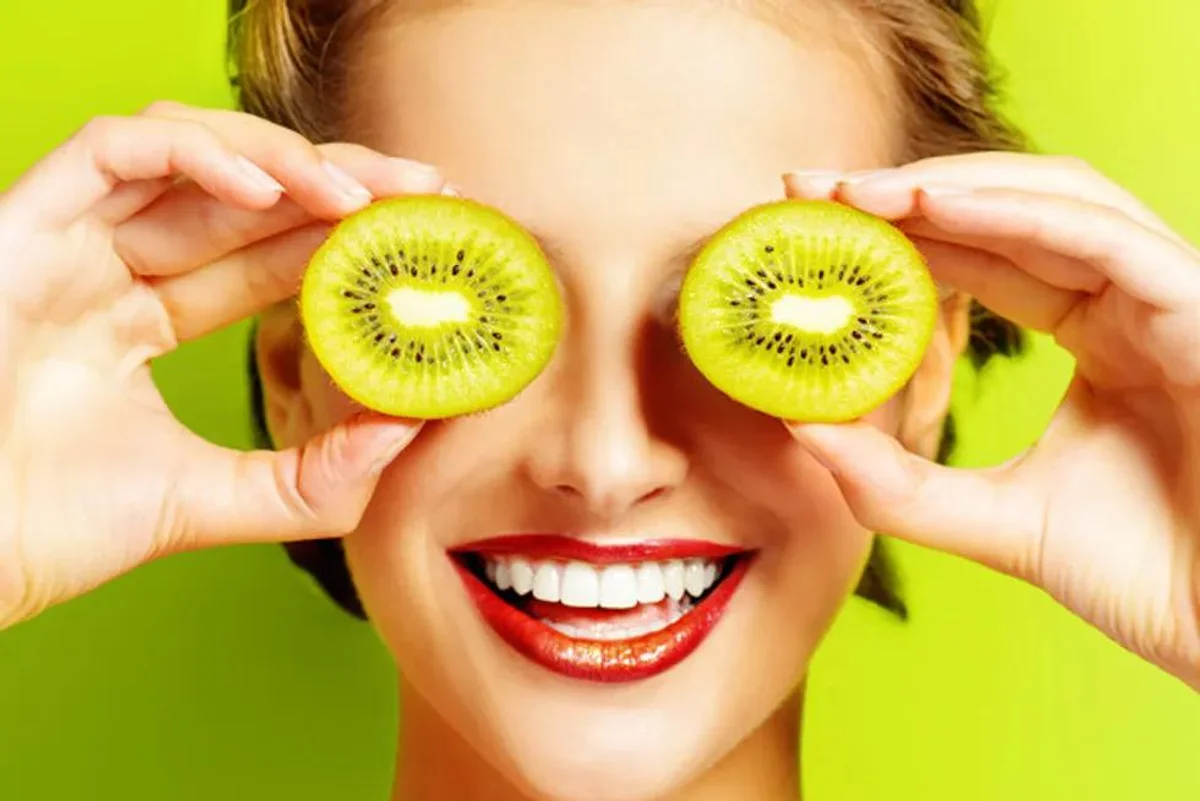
{"type": "Point", "coordinates": [138, 234]}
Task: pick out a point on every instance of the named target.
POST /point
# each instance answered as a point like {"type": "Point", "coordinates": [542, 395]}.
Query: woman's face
{"type": "Point", "coordinates": [622, 135]}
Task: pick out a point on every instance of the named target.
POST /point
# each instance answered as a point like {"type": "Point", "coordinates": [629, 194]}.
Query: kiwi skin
{"type": "Point", "coordinates": [782, 246]}
{"type": "Point", "coordinates": [475, 246]}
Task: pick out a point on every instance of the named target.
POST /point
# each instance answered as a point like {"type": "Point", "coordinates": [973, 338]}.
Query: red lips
{"type": "Point", "coordinates": [602, 660]}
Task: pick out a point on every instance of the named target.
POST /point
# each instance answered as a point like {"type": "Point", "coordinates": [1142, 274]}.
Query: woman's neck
{"type": "Point", "coordinates": [435, 763]}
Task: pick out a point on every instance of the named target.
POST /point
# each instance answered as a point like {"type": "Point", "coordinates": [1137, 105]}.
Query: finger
{"type": "Point", "coordinates": [188, 228]}
{"type": "Point", "coordinates": [999, 284]}
{"type": "Point", "coordinates": [319, 490]}
{"type": "Point", "coordinates": [130, 198]}
{"type": "Point", "coordinates": [110, 151]}
{"type": "Point", "coordinates": [316, 183]}
{"type": "Point", "coordinates": [893, 190]}
{"type": "Point", "coordinates": [980, 515]}
{"type": "Point", "coordinates": [1140, 262]}
{"type": "Point", "coordinates": [239, 285]}
{"type": "Point", "coordinates": [1053, 269]}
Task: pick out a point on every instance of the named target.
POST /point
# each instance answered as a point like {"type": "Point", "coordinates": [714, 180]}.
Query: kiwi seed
{"type": "Point", "coordinates": [809, 311]}
{"type": "Point", "coordinates": [430, 306]}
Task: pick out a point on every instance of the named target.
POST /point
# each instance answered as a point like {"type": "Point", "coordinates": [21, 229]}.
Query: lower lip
{"type": "Point", "coordinates": [604, 661]}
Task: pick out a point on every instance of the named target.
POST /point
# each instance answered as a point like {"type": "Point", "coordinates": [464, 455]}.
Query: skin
{"type": "Point", "coordinates": [110, 262]}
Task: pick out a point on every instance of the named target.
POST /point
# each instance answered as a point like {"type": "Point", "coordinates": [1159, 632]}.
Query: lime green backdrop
{"type": "Point", "coordinates": [222, 675]}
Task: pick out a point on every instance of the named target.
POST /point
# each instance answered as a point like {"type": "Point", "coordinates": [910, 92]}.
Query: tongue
{"type": "Point", "coordinates": [641, 615]}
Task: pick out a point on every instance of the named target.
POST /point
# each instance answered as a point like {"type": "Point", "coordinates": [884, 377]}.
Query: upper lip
{"type": "Point", "coordinates": [571, 548]}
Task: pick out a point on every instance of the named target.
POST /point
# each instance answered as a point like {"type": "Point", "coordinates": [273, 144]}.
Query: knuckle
{"type": "Point", "coordinates": [306, 487]}
{"type": "Point", "coordinates": [163, 108]}
{"type": "Point", "coordinates": [99, 131]}
{"type": "Point", "coordinates": [193, 132]}
{"type": "Point", "coordinates": [299, 147]}
{"type": "Point", "coordinates": [290, 488]}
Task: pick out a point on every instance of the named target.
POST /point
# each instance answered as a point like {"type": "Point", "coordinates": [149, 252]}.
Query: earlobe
{"type": "Point", "coordinates": [278, 350]}
{"type": "Point", "coordinates": [927, 397]}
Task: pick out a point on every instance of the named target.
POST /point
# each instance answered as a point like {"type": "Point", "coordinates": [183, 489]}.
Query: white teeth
{"type": "Point", "coordinates": [693, 577]}
{"type": "Point", "coordinates": [621, 586]}
{"type": "Point", "coordinates": [673, 579]}
{"type": "Point", "coordinates": [618, 587]}
{"type": "Point", "coordinates": [650, 588]}
{"type": "Point", "coordinates": [503, 579]}
{"type": "Point", "coordinates": [522, 576]}
{"type": "Point", "coordinates": [580, 586]}
{"type": "Point", "coordinates": [546, 582]}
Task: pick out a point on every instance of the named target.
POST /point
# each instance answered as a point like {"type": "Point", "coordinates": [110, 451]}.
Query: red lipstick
{"type": "Point", "coordinates": [600, 660]}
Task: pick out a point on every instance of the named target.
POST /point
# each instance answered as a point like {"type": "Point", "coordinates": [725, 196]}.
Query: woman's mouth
{"type": "Point", "coordinates": [601, 613]}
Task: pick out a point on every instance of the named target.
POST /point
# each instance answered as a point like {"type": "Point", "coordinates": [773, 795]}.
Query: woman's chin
{"type": "Point", "coordinates": [606, 757]}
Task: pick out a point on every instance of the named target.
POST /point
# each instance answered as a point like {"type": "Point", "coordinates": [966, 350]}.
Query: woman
{"type": "Point", "coordinates": [622, 134]}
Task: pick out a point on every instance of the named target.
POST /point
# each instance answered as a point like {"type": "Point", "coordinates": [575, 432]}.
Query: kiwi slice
{"type": "Point", "coordinates": [429, 306]}
{"type": "Point", "coordinates": [808, 310]}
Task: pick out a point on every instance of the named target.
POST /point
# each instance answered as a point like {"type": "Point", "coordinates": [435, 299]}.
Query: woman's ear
{"type": "Point", "coordinates": [278, 351]}
{"type": "Point", "coordinates": [926, 399]}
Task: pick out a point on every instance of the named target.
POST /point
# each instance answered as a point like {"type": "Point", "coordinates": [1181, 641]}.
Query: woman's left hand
{"type": "Point", "coordinates": [1103, 513]}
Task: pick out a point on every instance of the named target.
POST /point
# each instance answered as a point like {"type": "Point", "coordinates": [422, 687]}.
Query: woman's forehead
{"type": "Point", "coordinates": [607, 118]}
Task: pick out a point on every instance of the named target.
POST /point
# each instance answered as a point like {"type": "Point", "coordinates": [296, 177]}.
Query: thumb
{"type": "Point", "coordinates": [318, 490]}
{"type": "Point", "coordinates": [984, 515]}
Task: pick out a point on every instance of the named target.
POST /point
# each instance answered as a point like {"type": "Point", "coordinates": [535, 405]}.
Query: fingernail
{"type": "Point", "coordinates": [862, 176]}
{"type": "Point", "coordinates": [260, 177]}
{"type": "Point", "coordinates": [451, 191]}
{"type": "Point", "coordinates": [943, 190]}
{"type": "Point", "coordinates": [419, 177]}
{"type": "Point", "coordinates": [819, 182]}
{"type": "Point", "coordinates": [391, 440]}
{"type": "Point", "coordinates": [814, 439]}
{"type": "Point", "coordinates": [351, 189]}
{"type": "Point", "coordinates": [419, 169]}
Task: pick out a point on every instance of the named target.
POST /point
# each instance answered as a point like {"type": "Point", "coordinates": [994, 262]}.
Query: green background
{"type": "Point", "coordinates": [222, 675]}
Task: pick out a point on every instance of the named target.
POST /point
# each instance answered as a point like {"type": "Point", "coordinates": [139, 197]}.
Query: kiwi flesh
{"type": "Point", "coordinates": [808, 310]}
{"type": "Point", "coordinates": [430, 306]}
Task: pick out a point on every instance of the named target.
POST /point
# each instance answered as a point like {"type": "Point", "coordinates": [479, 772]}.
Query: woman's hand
{"type": "Point", "coordinates": [137, 234]}
{"type": "Point", "coordinates": [1104, 512]}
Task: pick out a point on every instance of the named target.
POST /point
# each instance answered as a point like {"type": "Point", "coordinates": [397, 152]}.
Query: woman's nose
{"type": "Point", "coordinates": [600, 446]}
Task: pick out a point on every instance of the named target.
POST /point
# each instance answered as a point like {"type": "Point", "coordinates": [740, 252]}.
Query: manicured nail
{"type": "Point", "coordinates": [419, 169]}
{"type": "Point", "coordinates": [391, 439]}
{"type": "Point", "coordinates": [258, 176]}
{"type": "Point", "coordinates": [862, 176]}
{"type": "Point", "coordinates": [814, 437]}
{"type": "Point", "coordinates": [943, 190]}
{"type": "Point", "coordinates": [351, 189]}
{"type": "Point", "coordinates": [818, 182]}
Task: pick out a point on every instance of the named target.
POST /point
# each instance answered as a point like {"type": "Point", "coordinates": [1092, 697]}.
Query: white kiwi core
{"type": "Point", "coordinates": [824, 315]}
{"type": "Point", "coordinates": [423, 309]}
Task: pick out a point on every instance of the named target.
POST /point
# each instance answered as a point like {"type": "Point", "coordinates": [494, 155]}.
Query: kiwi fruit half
{"type": "Point", "coordinates": [430, 306]}
{"type": "Point", "coordinates": [810, 311]}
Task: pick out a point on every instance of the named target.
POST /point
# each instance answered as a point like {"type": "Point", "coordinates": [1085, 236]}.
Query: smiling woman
{"type": "Point", "coordinates": [620, 523]}
{"type": "Point", "coordinates": [276, 53]}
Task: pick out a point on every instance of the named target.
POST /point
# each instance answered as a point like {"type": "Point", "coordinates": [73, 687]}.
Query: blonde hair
{"type": "Point", "coordinates": [288, 64]}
